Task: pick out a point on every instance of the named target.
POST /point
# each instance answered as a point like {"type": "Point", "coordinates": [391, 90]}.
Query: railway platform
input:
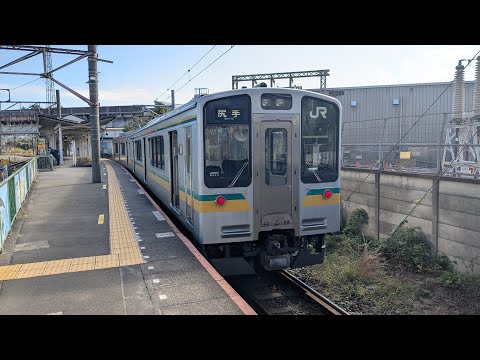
{"type": "Point", "coordinates": [107, 248]}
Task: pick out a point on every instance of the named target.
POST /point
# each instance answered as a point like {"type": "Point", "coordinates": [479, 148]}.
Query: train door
{"type": "Point", "coordinates": [188, 174]}
{"type": "Point", "coordinates": [174, 169]}
{"type": "Point", "coordinates": [127, 151]}
{"type": "Point", "coordinates": [145, 162]}
{"type": "Point", "coordinates": [276, 197]}
{"type": "Point", "coordinates": [132, 152]}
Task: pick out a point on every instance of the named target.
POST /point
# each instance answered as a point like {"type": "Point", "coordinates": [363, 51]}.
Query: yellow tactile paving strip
{"type": "Point", "coordinates": [123, 246]}
{"type": "Point", "coordinates": [122, 238]}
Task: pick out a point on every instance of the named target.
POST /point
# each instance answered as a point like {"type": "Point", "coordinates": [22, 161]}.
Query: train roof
{"type": "Point", "coordinates": [167, 115]}
{"type": "Point", "coordinates": [192, 103]}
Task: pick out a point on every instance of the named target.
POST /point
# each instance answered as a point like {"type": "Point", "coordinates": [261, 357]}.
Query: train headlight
{"type": "Point", "coordinates": [327, 194]}
{"type": "Point", "coordinates": [220, 200]}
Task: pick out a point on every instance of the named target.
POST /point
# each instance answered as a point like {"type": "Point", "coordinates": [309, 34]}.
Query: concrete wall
{"type": "Point", "coordinates": [398, 196]}
{"type": "Point", "coordinates": [363, 197]}
{"type": "Point", "coordinates": [459, 223]}
{"type": "Point", "coordinates": [449, 213]}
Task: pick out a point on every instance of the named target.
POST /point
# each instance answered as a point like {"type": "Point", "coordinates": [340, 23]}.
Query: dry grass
{"type": "Point", "coordinates": [363, 282]}
{"type": "Point", "coordinates": [18, 151]}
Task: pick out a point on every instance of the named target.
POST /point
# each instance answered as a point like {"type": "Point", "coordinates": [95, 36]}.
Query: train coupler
{"type": "Point", "coordinates": [312, 252]}
{"type": "Point", "coordinates": [275, 262]}
{"type": "Point", "coordinates": [276, 255]}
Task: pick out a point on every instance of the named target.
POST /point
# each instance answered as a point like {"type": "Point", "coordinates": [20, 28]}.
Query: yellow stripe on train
{"type": "Point", "coordinates": [318, 200]}
{"type": "Point", "coordinates": [159, 180]}
{"type": "Point", "coordinates": [229, 206]}
{"type": "Point", "coordinates": [211, 206]}
{"type": "Point", "coordinates": [205, 206]}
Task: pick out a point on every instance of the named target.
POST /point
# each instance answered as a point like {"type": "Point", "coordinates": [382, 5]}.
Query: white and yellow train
{"type": "Point", "coordinates": [252, 173]}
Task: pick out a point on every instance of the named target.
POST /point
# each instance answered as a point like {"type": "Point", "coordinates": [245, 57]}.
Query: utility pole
{"type": "Point", "coordinates": [94, 112]}
{"type": "Point", "coordinates": [173, 99]}
{"type": "Point", "coordinates": [60, 137]}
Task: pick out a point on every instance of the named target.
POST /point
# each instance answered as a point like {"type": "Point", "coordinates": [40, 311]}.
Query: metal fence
{"type": "Point", "coordinates": [13, 191]}
{"type": "Point", "coordinates": [409, 144]}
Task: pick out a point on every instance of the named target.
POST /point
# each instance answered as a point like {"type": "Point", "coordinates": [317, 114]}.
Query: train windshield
{"type": "Point", "coordinates": [227, 142]}
{"type": "Point", "coordinates": [320, 140]}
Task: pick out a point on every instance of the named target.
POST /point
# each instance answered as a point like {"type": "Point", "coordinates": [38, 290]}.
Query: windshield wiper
{"type": "Point", "coordinates": [316, 175]}
{"type": "Point", "coordinates": [239, 173]}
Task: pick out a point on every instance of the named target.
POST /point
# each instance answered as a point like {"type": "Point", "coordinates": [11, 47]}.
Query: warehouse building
{"type": "Point", "coordinates": [376, 117]}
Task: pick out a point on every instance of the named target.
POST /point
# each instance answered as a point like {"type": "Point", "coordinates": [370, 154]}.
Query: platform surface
{"type": "Point", "coordinates": [84, 248]}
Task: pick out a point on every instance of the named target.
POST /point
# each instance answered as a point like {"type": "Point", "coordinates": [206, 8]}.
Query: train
{"type": "Point", "coordinates": [252, 174]}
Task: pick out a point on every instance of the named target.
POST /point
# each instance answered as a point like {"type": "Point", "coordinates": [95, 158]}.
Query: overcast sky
{"type": "Point", "coordinates": [142, 73]}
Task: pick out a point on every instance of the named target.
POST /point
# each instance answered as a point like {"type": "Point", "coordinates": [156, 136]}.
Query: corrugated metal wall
{"type": "Point", "coordinates": [373, 127]}
{"type": "Point", "coordinates": [374, 104]}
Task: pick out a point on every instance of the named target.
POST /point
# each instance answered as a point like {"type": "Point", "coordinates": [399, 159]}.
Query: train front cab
{"type": "Point", "coordinates": [282, 158]}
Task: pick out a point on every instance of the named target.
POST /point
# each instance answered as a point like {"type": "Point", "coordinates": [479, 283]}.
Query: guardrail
{"type": "Point", "coordinates": [13, 191]}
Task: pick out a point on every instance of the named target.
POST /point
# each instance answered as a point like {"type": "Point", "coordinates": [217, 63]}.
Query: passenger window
{"type": "Point", "coordinates": [157, 152]}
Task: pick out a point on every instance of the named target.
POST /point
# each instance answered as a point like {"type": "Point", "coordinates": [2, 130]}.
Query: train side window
{"type": "Point", "coordinates": [157, 152]}
{"type": "Point", "coordinates": [151, 146]}
{"type": "Point", "coordinates": [138, 150]}
{"type": "Point", "coordinates": [160, 153]}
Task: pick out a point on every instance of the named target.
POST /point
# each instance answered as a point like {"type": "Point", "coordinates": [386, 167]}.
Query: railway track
{"type": "Point", "coordinates": [327, 304]}
{"type": "Point", "coordinates": [282, 294]}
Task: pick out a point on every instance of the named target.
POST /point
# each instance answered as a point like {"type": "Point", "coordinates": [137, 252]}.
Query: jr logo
{"type": "Point", "coordinates": [320, 110]}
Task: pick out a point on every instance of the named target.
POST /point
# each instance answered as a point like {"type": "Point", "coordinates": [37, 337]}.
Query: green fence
{"type": "Point", "coordinates": [13, 191]}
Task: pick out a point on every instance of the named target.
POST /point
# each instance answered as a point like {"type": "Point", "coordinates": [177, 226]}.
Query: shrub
{"type": "Point", "coordinates": [333, 242]}
{"type": "Point", "coordinates": [409, 247]}
{"type": "Point", "coordinates": [453, 280]}
{"type": "Point", "coordinates": [352, 237]}
{"type": "Point", "coordinates": [444, 262]}
{"type": "Point", "coordinates": [357, 218]}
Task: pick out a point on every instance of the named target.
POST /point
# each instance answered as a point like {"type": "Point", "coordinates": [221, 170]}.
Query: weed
{"type": "Point", "coordinates": [396, 275]}
{"type": "Point", "coordinates": [444, 262]}
{"type": "Point", "coordinates": [357, 218]}
{"type": "Point", "coordinates": [410, 248]}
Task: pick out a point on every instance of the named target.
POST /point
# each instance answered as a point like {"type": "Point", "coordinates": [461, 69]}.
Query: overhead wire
{"type": "Point", "coordinates": [25, 84]}
{"type": "Point", "coordinates": [205, 68]}
{"type": "Point", "coordinates": [187, 72]}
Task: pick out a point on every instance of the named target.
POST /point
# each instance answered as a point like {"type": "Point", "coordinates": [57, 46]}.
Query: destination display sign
{"type": "Point", "coordinates": [233, 109]}
{"type": "Point", "coordinates": [229, 114]}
